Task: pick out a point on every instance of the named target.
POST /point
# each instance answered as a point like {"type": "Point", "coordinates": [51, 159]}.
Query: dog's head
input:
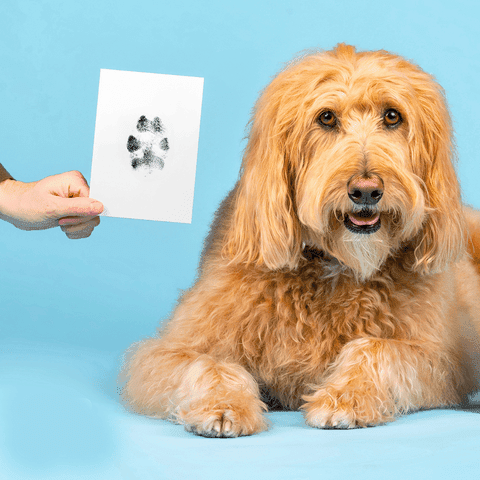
{"type": "Point", "coordinates": [350, 152]}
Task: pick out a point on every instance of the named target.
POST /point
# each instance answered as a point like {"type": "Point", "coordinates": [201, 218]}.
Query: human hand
{"type": "Point", "coordinates": [56, 200]}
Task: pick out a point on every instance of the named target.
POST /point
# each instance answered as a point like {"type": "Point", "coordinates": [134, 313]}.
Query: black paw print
{"type": "Point", "coordinates": [149, 148]}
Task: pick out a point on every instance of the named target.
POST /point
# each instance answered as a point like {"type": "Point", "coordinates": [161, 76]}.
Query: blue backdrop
{"type": "Point", "coordinates": [70, 308]}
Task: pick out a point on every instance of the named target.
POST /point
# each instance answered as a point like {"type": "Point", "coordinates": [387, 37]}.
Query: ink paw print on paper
{"type": "Point", "coordinates": [149, 147]}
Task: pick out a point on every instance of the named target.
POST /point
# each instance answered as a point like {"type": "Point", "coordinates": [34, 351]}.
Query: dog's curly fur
{"type": "Point", "coordinates": [292, 306]}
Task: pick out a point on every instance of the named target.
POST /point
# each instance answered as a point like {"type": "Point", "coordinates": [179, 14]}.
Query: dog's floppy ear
{"type": "Point", "coordinates": [441, 239]}
{"type": "Point", "coordinates": [264, 228]}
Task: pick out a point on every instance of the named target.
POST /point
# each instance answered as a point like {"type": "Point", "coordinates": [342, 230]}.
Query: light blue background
{"type": "Point", "coordinates": [70, 308]}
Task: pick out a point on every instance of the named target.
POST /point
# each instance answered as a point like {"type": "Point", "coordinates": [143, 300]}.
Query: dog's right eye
{"type": "Point", "coordinates": [392, 118]}
{"type": "Point", "coordinates": [327, 118]}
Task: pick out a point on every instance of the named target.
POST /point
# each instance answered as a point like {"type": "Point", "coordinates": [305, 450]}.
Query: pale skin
{"type": "Point", "coordinates": [59, 200]}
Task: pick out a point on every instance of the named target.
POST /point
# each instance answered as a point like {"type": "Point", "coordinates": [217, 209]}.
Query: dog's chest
{"type": "Point", "coordinates": [303, 320]}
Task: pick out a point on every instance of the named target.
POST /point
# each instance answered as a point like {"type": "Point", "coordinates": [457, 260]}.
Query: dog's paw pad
{"type": "Point", "coordinates": [157, 125]}
{"type": "Point", "coordinates": [164, 144]}
{"type": "Point", "coordinates": [132, 144]}
{"type": "Point", "coordinates": [149, 148]}
{"type": "Point", "coordinates": [142, 124]}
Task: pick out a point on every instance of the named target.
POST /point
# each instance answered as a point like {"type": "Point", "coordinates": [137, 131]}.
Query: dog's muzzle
{"type": "Point", "coordinates": [365, 193]}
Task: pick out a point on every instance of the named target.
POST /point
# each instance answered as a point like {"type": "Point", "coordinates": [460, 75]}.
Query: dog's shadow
{"type": "Point", "coordinates": [468, 407]}
{"type": "Point", "coordinates": [274, 405]}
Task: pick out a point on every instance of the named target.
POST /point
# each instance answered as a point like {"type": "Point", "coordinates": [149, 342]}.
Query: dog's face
{"type": "Point", "coordinates": [359, 189]}
{"type": "Point", "coordinates": [351, 153]}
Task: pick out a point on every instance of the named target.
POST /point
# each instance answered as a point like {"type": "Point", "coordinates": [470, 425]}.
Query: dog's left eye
{"type": "Point", "coordinates": [328, 119]}
{"type": "Point", "coordinates": [392, 118]}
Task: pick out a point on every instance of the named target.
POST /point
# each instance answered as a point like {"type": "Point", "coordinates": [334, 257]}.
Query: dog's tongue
{"type": "Point", "coordinates": [357, 220]}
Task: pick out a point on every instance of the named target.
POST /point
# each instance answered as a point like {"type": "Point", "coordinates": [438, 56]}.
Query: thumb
{"type": "Point", "coordinates": [77, 207]}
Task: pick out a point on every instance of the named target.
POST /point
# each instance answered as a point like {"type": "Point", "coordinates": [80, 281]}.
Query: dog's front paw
{"type": "Point", "coordinates": [225, 420]}
{"type": "Point", "coordinates": [330, 407]}
{"type": "Point", "coordinates": [222, 425]}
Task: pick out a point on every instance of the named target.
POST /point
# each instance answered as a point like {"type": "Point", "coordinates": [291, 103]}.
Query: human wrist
{"type": "Point", "coordinates": [10, 191]}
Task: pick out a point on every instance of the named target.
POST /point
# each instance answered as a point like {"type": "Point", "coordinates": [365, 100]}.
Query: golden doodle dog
{"type": "Point", "coordinates": [340, 275]}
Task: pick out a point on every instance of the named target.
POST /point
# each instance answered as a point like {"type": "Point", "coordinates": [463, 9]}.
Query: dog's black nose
{"type": "Point", "coordinates": [365, 191]}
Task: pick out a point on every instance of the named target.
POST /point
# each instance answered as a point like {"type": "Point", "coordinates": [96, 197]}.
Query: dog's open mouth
{"type": "Point", "coordinates": [365, 221]}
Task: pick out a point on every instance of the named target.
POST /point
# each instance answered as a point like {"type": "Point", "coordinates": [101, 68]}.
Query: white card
{"type": "Point", "coordinates": [145, 147]}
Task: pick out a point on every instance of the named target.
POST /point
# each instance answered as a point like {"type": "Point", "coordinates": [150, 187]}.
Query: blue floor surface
{"type": "Point", "coordinates": [61, 419]}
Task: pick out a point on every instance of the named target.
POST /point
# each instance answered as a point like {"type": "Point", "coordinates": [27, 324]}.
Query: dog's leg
{"type": "Point", "coordinates": [211, 398]}
{"type": "Point", "coordinates": [374, 380]}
